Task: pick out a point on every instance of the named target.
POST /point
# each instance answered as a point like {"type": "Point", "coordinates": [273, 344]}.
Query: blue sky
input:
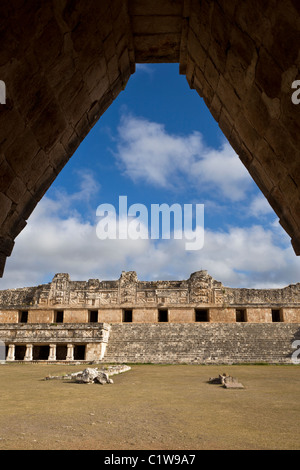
{"type": "Point", "coordinates": [157, 143]}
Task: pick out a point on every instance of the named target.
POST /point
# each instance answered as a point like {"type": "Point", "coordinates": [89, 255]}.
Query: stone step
{"type": "Point", "coordinates": [201, 342]}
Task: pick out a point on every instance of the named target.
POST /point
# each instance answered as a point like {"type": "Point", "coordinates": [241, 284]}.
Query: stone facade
{"type": "Point", "coordinates": [72, 320]}
{"type": "Point", "coordinates": [94, 301]}
{"type": "Point", "coordinates": [64, 62]}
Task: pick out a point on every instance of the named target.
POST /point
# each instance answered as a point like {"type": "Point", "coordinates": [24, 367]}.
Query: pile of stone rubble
{"type": "Point", "coordinates": [226, 380]}
{"type": "Point", "coordinates": [92, 375]}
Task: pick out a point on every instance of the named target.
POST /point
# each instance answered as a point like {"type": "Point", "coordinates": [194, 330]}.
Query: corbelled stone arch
{"type": "Point", "coordinates": [242, 58]}
{"type": "Point", "coordinates": [64, 62]}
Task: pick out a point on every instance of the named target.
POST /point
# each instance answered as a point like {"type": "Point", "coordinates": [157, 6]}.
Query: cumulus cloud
{"type": "Point", "coordinates": [148, 153]}
{"type": "Point", "coordinates": [238, 257]}
{"type": "Point", "coordinates": [61, 235]}
{"type": "Point", "coordinates": [260, 206]}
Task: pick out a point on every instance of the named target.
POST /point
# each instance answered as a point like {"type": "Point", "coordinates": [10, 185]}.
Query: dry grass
{"type": "Point", "coordinates": [150, 407]}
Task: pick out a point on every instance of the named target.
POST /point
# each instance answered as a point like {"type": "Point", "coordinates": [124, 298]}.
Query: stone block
{"type": "Point", "coordinates": [7, 175]}
{"type": "Point", "coordinates": [228, 97]}
{"type": "Point", "coordinates": [53, 35]}
{"type": "Point", "coordinates": [40, 316]}
{"type": "Point", "coordinates": [75, 315]}
{"type": "Point", "coordinates": [222, 315]}
{"type": "Point", "coordinates": [5, 204]}
{"type": "Point", "coordinates": [233, 385]}
{"type": "Point", "coordinates": [50, 125]}
{"type": "Point", "coordinates": [202, 86]}
{"type": "Point", "coordinates": [21, 152]}
{"type": "Point", "coordinates": [155, 7]}
{"type": "Point", "coordinates": [268, 82]}
{"type": "Point", "coordinates": [156, 24]}
{"type": "Point", "coordinates": [259, 315]}
{"type": "Point", "coordinates": [181, 315]}
{"type": "Point", "coordinates": [255, 20]}
{"type": "Point", "coordinates": [195, 50]}
{"type": "Point", "coordinates": [16, 190]}
{"type": "Point", "coordinates": [226, 122]}
{"type": "Point", "coordinates": [246, 131]}
{"type": "Point", "coordinates": [9, 316]}
{"type": "Point", "coordinates": [110, 315]}
{"type": "Point", "coordinates": [291, 315]}
{"type": "Point", "coordinates": [157, 48]}
{"type": "Point", "coordinates": [256, 110]}
{"type": "Point", "coordinates": [144, 315]}
{"type": "Point", "coordinates": [200, 21]}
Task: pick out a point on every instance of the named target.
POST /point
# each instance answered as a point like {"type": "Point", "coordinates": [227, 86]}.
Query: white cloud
{"type": "Point", "coordinates": [260, 206]}
{"type": "Point", "coordinates": [148, 153]}
{"type": "Point", "coordinates": [248, 257]}
{"type": "Point", "coordinates": [60, 238]}
{"type": "Point", "coordinates": [145, 68]}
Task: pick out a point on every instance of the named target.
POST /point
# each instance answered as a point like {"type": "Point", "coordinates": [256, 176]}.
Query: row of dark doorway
{"type": "Point", "coordinates": [201, 315]}
{"type": "Point", "coordinates": [41, 352]}
{"type": "Point", "coordinates": [163, 315]}
{"type": "Point", "coordinates": [242, 317]}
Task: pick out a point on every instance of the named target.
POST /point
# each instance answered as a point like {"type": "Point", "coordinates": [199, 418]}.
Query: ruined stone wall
{"type": "Point", "coordinates": [202, 321]}
{"type": "Point", "coordinates": [46, 333]}
{"type": "Point", "coordinates": [199, 289]}
{"type": "Point", "coordinates": [180, 299]}
{"type": "Point", "coordinates": [93, 338]}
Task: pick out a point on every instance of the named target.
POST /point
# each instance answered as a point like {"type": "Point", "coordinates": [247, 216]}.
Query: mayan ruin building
{"type": "Point", "coordinates": [127, 320]}
{"type": "Point", "coordinates": [63, 65]}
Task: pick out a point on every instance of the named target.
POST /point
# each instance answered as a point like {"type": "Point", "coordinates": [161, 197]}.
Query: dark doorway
{"type": "Point", "coordinates": [276, 315]}
{"type": "Point", "coordinates": [23, 316]}
{"type": "Point", "coordinates": [20, 352]}
{"type": "Point", "coordinates": [61, 352]}
{"type": "Point", "coordinates": [163, 315]}
{"type": "Point", "coordinates": [201, 315]}
{"type": "Point", "coordinates": [93, 316]}
{"type": "Point", "coordinates": [59, 316]}
{"type": "Point", "coordinates": [240, 315]}
{"type": "Point", "coordinates": [40, 353]}
{"type": "Point", "coordinates": [79, 352]}
{"type": "Point", "coordinates": [127, 316]}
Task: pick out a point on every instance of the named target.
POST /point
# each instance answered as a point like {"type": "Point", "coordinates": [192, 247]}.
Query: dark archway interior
{"type": "Point", "coordinates": [64, 62]}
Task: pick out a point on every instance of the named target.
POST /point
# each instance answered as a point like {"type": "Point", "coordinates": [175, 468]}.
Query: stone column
{"type": "Point", "coordinates": [70, 352]}
{"type": "Point", "coordinates": [11, 352]}
{"type": "Point", "coordinates": [28, 353]}
{"type": "Point", "coordinates": [52, 352]}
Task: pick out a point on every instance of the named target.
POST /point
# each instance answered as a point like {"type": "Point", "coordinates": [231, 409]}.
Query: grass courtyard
{"type": "Point", "coordinates": [153, 407]}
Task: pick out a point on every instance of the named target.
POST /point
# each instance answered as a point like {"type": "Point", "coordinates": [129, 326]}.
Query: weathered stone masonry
{"type": "Point", "coordinates": [193, 320]}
